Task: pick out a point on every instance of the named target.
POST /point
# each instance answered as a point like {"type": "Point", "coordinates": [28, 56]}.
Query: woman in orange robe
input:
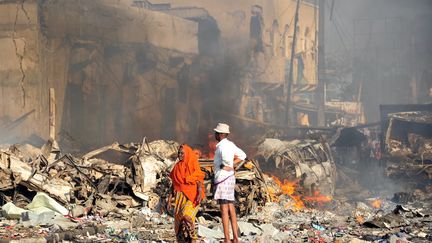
{"type": "Point", "coordinates": [187, 179]}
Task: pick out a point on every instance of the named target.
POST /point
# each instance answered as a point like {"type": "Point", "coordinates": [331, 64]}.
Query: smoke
{"type": "Point", "coordinates": [388, 42]}
{"type": "Point", "coordinates": [111, 85]}
{"type": "Point", "coordinates": [118, 78]}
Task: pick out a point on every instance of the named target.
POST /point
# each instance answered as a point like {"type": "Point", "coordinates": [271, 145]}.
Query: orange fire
{"type": "Point", "coordinates": [317, 197]}
{"type": "Point", "coordinates": [298, 204]}
{"type": "Point", "coordinates": [211, 147]}
{"type": "Point", "coordinates": [359, 219]}
{"type": "Point", "coordinates": [289, 188]}
{"type": "Point", "coordinates": [273, 194]}
{"type": "Point", "coordinates": [376, 203]}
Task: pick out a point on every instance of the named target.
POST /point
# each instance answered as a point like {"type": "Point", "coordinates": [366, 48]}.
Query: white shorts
{"type": "Point", "coordinates": [225, 190]}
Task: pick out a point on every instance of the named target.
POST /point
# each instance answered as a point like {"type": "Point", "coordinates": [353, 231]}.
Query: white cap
{"type": "Point", "coordinates": [222, 128]}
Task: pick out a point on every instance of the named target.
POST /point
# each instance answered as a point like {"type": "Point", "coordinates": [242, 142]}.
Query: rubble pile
{"type": "Point", "coordinates": [119, 193]}
{"type": "Point", "coordinates": [112, 182]}
{"type": "Point", "coordinates": [408, 145]}
{"type": "Point", "coordinates": [126, 182]}
{"type": "Point", "coordinates": [91, 181]}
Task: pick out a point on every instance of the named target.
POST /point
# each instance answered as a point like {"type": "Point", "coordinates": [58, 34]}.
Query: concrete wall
{"type": "Point", "coordinates": [116, 21]}
{"type": "Point", "coordinates": [21, 86]}
{"type": "Point", "coordinates": [121, 73]}
{"type": "Point", "coordinates": [233, 19]}
{"type": "Point", "coordinates": [110, 65]}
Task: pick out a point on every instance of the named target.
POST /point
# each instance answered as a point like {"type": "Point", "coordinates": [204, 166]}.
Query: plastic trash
{"type": "Point", "coordinates": [318, 227]}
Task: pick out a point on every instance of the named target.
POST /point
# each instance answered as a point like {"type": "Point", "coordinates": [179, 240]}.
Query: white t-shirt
{"type": "Point", "coordinates": [224, 154]}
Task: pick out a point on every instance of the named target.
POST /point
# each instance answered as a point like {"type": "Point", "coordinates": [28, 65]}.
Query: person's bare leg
{"type": "Point", "coordinates": [225, 221]}
{"type": "Point", "coordinates": [234, 225]}
{"type": "Point", "coordinates": [190, 227]}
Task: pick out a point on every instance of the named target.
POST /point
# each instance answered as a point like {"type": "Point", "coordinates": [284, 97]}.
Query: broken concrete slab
{"type": "Point", "coordinates": [248, 228]}
{"type": "Point", "coordinates": [208, 233]}
{"type": "Point", "coordinates": [149, 163]}
{"type": "Point", "coordinates": [268, 230]}
{"type": "Point", "coordinates": [32, 219]}
{"type": "Point", "coordinates": [11, 211]}
{"type": "Point", "coordinates": [118, 224]}
{"type": "Point", "coordinates": [42, 202]}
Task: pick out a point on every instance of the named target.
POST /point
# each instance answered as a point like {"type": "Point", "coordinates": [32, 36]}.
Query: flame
{"type": "Point", "coordinates": [211, 145]}
{"type": "Point", "coordinates": [318, 197]}
{"type": "Point", "coordinates": [376, 203]}
{"type": "Point", "coordinates": [289, 188]}
{"type": "Point", "coordinates": [359, 219]}
{"type": "Point", "coordinates": [298, 204]}
{"type": "Point", "coordinates": [273, 194]}
{"type": "Point", "coordinates": [209, 149]}
{"type": "Point", "coordinates": [249, 165]}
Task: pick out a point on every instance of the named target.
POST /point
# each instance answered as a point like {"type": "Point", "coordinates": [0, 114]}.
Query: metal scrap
{"type": "Point", "coordinates": [408, 146]}
{"type": "Point", "coordinates": [308, 161]}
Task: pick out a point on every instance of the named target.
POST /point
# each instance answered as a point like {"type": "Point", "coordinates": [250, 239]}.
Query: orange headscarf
{"type": "Point", "coordinates": [186, 173]}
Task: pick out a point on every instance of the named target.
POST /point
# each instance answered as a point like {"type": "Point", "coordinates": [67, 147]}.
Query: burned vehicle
{"type": "Point", "coordinates": [308, 162]}
{"type": "Point", "coordinates": [409, 135]}
{"type": "Point", "coordinates": [407, 142]}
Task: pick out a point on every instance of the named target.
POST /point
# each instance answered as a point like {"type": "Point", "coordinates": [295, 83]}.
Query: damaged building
{"type": "Point", "coordinates": [109, 69]}
{"type": "Point", "coordinates": [97, 96]}
{"type": "Point", "coordinates": [146, 65]}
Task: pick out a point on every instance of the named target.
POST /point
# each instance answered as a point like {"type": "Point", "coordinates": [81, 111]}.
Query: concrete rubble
{"type": "Point", "coordinates": [118, 192]}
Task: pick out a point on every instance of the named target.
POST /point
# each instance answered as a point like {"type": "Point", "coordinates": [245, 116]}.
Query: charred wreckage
{"type": "Point", "coordinates": [292, 188]}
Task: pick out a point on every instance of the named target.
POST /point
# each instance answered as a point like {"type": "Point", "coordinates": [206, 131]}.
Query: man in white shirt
{"type": "Point", "coordinates": [226, 154]}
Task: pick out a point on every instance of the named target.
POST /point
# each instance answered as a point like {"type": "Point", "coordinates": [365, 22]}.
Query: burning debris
{"type": "Point", "coordinates": [120, 187]}
{"type": "Point", "coordinates": [307, 163]}
{"type": "Point", "coordinates": [127, 185]}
